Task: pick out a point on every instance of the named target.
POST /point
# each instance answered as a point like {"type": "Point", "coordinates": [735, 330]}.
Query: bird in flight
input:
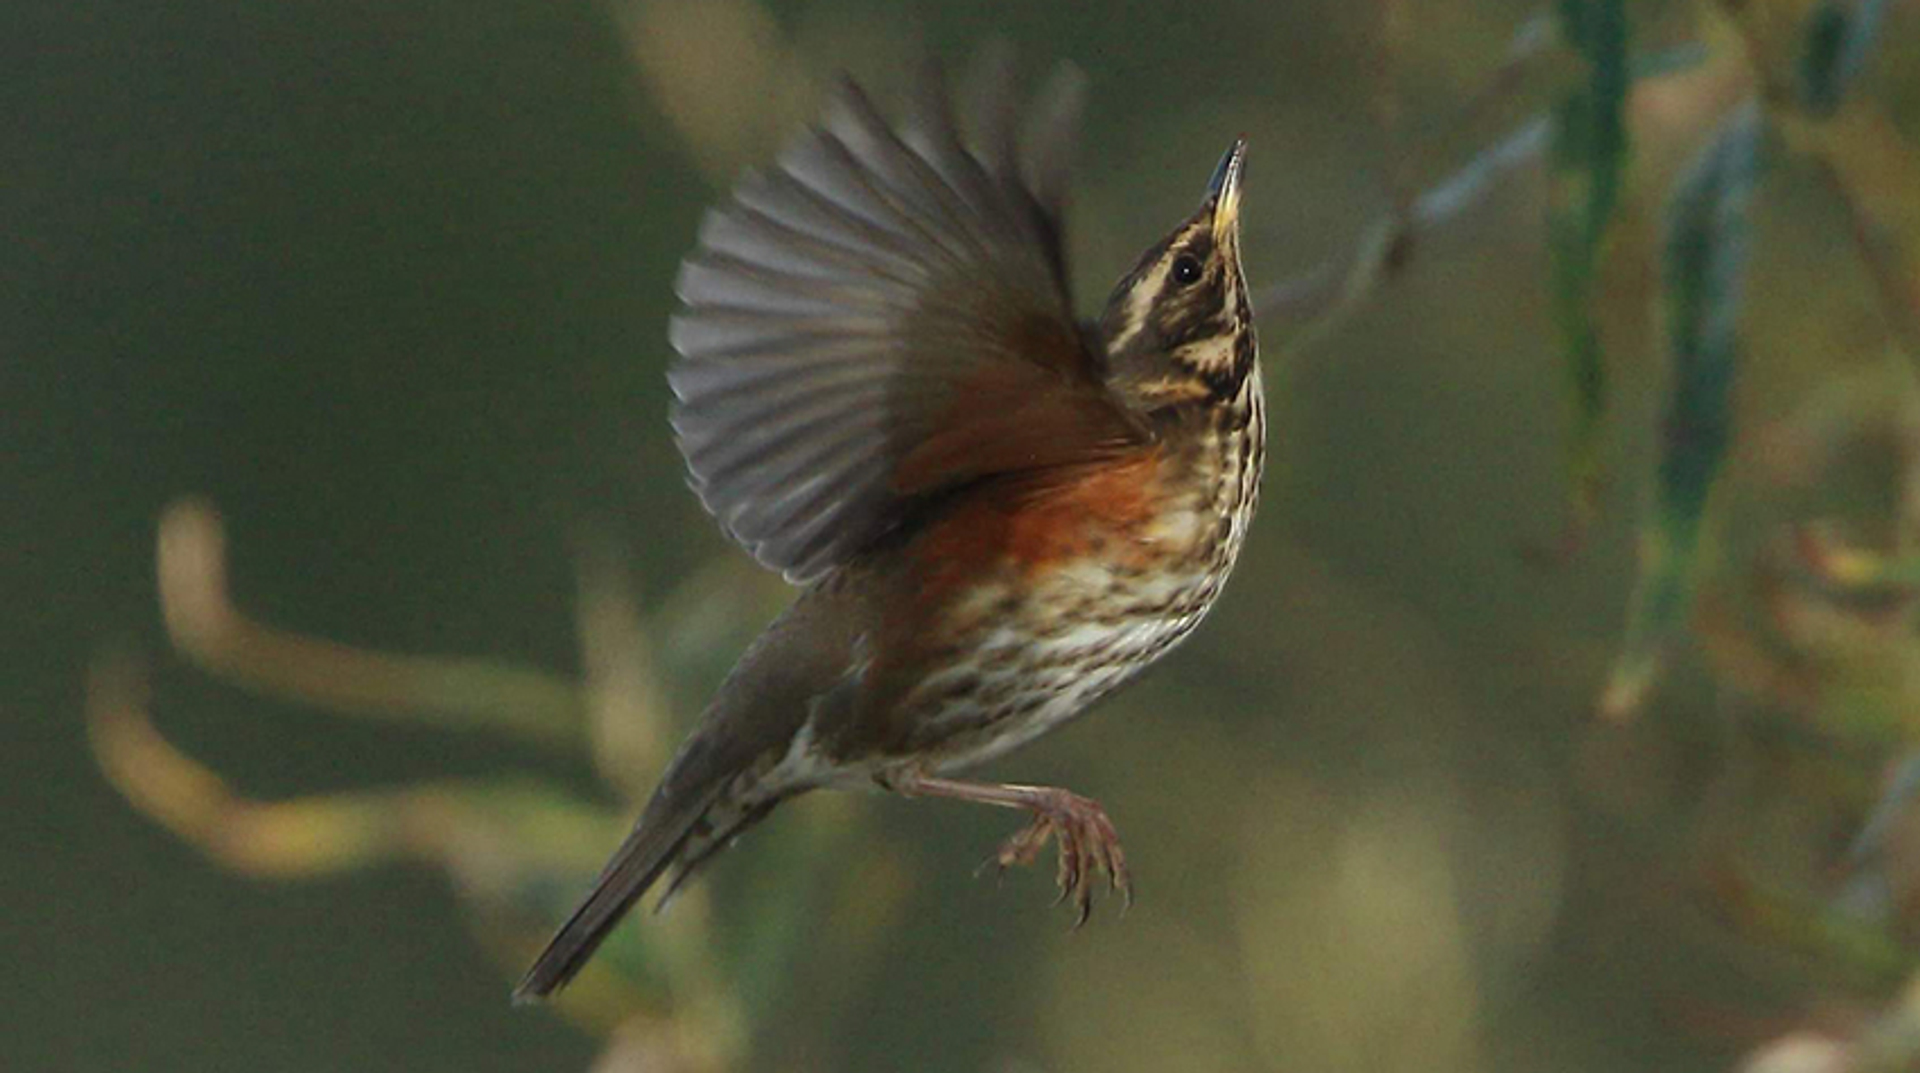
{"type": "Point", "coordinates": [997, 512]}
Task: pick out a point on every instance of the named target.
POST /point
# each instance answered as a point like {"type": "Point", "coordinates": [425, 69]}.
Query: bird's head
{"type": "Point", "coordinates": [1179, 327]}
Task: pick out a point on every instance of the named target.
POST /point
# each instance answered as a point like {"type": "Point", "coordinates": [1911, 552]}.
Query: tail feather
{"type": "Point", "coordinates": [722, 825]}
{"type": "Point", "coordinates": [711, 790]}
{"type": "Point", "coordinates": [652, 847]}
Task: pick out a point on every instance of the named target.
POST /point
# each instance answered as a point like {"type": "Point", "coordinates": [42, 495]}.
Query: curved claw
{"type": "Point", "coordinates": [1088, 845]}
{"type": "Point", "coordinates": [993, 862]}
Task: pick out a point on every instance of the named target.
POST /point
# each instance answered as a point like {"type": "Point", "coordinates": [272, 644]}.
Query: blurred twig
{"type": "Point", "coordinates": [209, 629]}
{"type": "Point", "coordinates": [1309, 305]}
{"type": "Point", "coordinates": [510, 848]}
{"type": "Point", "coordinates": [442, 823]}
{"type": "Point", "coordinates": [1864, 160]}
{"type": "Point", "coordinates": [626, 707]}
{"type": "Point", "coordinates": [1301, 310]}
{"type": "Point", "coordinates": [517, 851]}
{"type": "Point", "coordinates": [1894, 280]}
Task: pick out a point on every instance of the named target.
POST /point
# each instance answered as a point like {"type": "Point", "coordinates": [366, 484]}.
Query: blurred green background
{"type": "Point", "coordinates": [387, 283]}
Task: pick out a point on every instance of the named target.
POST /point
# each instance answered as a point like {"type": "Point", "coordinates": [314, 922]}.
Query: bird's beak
{"type": "Point", "coordinates": [1223, 190]}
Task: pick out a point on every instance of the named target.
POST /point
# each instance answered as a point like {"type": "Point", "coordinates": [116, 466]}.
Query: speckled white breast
{"type": "Point", "coordinates": [1030, 675]}
{"type": "Point", "coordinates": [1024, 673]}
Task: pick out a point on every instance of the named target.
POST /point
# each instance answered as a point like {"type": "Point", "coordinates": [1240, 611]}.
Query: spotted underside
{"type": "Point", "coordinates": [1051, 637]}
{"type": "Point", "coordinates": [1030, 614]}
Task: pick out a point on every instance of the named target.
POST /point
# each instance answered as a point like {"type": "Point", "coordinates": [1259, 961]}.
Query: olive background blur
{"type": "Point", "coordinates": [388, 283]}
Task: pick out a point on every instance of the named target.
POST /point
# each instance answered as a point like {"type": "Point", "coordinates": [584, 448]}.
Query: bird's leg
{"type": "Point", "coordinates": [1086, 836]}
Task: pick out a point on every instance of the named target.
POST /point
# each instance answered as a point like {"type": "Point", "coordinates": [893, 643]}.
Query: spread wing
{"type": "Point", "coordinates": [883, 314]}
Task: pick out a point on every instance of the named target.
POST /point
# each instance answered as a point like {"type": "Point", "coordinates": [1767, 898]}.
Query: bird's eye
{"type": "Point", "coordinates": [1186, 269]}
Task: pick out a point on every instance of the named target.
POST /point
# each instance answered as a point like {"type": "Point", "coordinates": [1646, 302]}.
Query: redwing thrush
{"type": "Point", "coordinates": [998, 513]}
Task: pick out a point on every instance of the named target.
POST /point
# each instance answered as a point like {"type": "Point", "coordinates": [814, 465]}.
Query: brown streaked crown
{"type": "Point", "coordinates": [1179, 327]}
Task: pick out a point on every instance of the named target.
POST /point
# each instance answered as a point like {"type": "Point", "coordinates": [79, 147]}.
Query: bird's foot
{"type": "Point", "coordinates": [1088, 845]}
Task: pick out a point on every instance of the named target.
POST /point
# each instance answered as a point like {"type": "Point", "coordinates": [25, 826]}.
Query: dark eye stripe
{"type": "Point", "coordinates": [1183, 315]}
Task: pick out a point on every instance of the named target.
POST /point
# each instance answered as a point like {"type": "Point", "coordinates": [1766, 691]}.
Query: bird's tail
{"type": "Point", "coordinates": [674, 834]}
{"type": "Point", "coordinates": [655, 844]}
{"type": "Point", "coordinates": [708, 794]}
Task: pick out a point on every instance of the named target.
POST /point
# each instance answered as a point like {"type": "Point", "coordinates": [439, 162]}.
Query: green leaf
{"type": "Point", "coordinates": [1588, 163]}
{"type": "Point", "coordinates": [1833, 47]}
{"type": "Point", "coordinates": [1706, 252]}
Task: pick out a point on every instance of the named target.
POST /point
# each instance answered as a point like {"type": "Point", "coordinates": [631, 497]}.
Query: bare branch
{"type": "Point", "coordinates": [207, 628]}
{"type": "Point", "coordinates": [1308, 305]}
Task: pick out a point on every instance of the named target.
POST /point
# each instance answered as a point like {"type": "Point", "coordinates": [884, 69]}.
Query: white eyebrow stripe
{"type": "Point", "coordinates": [1152, 284]}
{"type": "Point", "coordinates": [1140, 301]}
